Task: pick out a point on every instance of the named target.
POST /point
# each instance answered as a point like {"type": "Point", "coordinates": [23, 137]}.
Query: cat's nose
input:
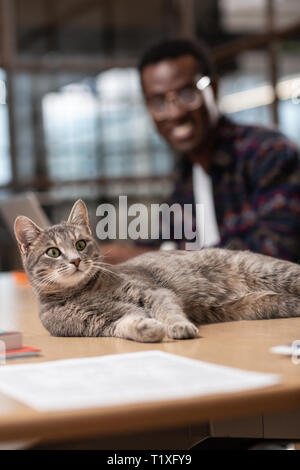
{"type": "Point", "coordinates": [75, 261]}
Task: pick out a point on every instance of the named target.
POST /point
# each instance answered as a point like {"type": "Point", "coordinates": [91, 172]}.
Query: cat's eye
{"type": "Point", "coordinates": [53, 252]}
{"type": "Point", "coordinates": [80, 245]}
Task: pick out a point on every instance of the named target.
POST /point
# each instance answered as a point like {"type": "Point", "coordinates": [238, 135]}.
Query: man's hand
{"type": "Point", "coordinates": [115, 253]}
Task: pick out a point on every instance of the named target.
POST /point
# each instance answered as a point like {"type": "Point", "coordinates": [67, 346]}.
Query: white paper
{"type": "Point", "coordinates": [122, 379]}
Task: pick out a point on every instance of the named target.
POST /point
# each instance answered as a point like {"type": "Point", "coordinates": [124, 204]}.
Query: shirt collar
{"type": "Point", "coordinates": [222, 157]}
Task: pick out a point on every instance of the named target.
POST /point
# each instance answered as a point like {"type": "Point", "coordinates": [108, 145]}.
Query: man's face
{"type": "Point", "coordinates": [185, 130]}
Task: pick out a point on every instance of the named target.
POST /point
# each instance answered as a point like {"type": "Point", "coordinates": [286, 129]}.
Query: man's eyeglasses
{"type": "Point", "coordinates": [188, 97]}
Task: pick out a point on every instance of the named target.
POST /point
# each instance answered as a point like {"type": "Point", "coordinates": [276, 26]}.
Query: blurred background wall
{"type": "Point", "coordinates": [72, 119]}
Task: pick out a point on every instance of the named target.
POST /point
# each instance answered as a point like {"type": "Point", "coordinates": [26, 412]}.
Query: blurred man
{"type": "Point", "coordinates": [246, 177]}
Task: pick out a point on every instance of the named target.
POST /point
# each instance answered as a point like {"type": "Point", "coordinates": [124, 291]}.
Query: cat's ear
{"type": "Point", "coordinates": [26, 232]}
{"type": "Point", "coordinates": [79, 215]}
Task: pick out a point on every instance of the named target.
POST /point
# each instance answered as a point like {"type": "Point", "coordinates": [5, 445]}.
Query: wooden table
{"type": "Point", "coordinates": [238, 344]}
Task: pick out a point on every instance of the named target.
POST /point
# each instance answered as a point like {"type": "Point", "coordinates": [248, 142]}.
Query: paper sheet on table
{"type": "Point", "coordinates": [122, 379]}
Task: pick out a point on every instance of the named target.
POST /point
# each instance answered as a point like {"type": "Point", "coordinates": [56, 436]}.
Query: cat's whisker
{"type": "Point", "coordinates": [49, 278]}
{"type": "Point", "coordinates": [99, 265]}
{"type": "Point", "coordinates": [106, 253]}
{"type": "Point", "coordinates": [109, 273]}
{"type": "Point", "coordinates": [105, 264]}
{"type": "Point", "coordinates": [63, 269]}
{"type": "Point", "coordinates": [48, 281]}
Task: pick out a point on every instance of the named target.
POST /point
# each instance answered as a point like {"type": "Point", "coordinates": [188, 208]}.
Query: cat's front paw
{"type": "Point", "coordinates": [150, 331]}
{"type": "Point", "coordinates": [182, 330]}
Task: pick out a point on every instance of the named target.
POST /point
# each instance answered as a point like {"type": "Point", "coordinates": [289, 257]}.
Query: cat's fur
{"type": "Point", "coordinates": [154, 295]}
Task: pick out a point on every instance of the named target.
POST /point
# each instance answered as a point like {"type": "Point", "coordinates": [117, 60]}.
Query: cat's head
{"type": "Point", "coordinates": [59, 258]}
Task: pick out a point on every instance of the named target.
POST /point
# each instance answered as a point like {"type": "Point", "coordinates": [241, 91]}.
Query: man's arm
{"type": "Point", "coordinates": [274, 206]}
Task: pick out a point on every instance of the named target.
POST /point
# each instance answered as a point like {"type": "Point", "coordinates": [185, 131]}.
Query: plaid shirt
{"type": "Point", "coordinates": [255, 174]}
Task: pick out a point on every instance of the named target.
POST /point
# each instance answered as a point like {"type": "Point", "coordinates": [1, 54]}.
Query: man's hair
{"type": "Point", "coordinates": [172, 49]}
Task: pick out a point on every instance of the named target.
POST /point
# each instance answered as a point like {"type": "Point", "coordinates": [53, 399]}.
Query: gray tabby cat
{"type": "Point", "coordinates": [154, 295]}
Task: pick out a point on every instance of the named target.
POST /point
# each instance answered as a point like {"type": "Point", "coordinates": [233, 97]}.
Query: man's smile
{"type": "Point", "coordinates": [184, 131]}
